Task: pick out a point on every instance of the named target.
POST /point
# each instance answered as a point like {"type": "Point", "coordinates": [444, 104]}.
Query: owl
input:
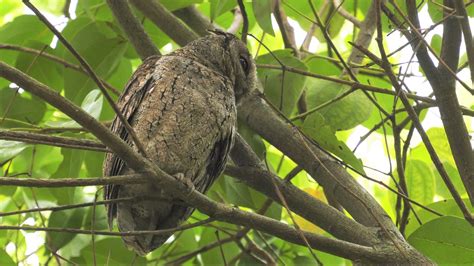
{"type": "Point", "coordinates": [182, 106]}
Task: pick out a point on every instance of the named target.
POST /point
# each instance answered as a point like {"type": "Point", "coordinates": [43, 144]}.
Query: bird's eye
{"type": "Point", "coordinates": [244, 64]}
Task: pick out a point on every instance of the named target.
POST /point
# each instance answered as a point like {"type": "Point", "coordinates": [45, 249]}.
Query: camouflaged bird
{"type": "Point", "coordinates": [182, 106]}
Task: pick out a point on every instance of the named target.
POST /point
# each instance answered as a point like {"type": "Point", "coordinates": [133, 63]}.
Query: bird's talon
{"type": "Point", "coordinates": [186, 181]}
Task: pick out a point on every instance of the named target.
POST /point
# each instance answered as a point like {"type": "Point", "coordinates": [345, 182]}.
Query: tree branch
{"type": "Point", "coordinates": [364, 38]}
{"type": "Point", "coordinates": [466, 30]}
{"type": "Point", "coordinates": [338, 5]}
{"type": "Point", "coordinates": [195, 20]}
{"type": "Point", "coordinates": [73, 182]}
{"type": "Point", "coordinates": [166, 21]}
{"type": "Point", "coordinates": [261, 118]}
{"type": "Point", "coordinates": [64, 142]}
{"type": "Point", "coordinates": [287, 32]}
{"type": "Point", "coordinates": [133, 29]}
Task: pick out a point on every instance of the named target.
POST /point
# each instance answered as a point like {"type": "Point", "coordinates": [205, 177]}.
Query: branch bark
{"type": "Point", "coordinates": [166, 21]}
{"type": "Point", "coordinates": [195, 20]}
{"type": "Point", "coordinates": [133, 29]}
{"type": "Point", "coordinates": [64, 142]}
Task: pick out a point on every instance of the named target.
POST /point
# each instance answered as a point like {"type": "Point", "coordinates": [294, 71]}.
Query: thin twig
{"type": "Point", "coordinates": [245, 22]}
{"type": "Point", "coordinates": [57, 59]}
{"type": "Point", "coordinates": [64, 142]}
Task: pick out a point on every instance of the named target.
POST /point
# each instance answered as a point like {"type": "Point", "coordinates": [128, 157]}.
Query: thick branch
{"type": "Point", "coordinates": [466, 31]}
{"type": "Point", "coordinates": [166, 21]}
{"type": "Point", "coordinates": [304, 204]}
{"type": "Point", "coordinates": [195, 20]}
{"type": "Point", "coordinates": [338, 5]}
{"type": "Point", "coordinates": [133, 29]}
{"type": "Point", "coordinates": [364, 38]}
{"type": "Point", "coordinates": [330, 174]}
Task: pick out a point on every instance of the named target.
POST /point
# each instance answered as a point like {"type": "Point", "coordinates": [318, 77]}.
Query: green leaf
{"type": "Point", "coordinates": [5, 259]}
{"type": "Point", "coordinates": [420, 181]}
{"type": "Point", "coordinates": [440, 143]}
{"type": "Point", "coordinates": [54, 7]}
{"type": "Point", "coordinates": [23, 29]}
{"type": "Point", "coordinates": [435, 10]}
{"type": "Point", "coordinates": [444, 207]}
{"type": "Point", "coordinates": [235, 192]}
{"type": "Point", "coordinates": [453, 173]}
{"type": "Point", "coordinates": [322, 66]}
{"type": "Point", "coordinates": [214, 256]}
{"type": "Point", "coordinates": [92, 104]}
{"type": "Point", "coordinates": [39, 67]}
{"type": "Point", "coordinates": [70, 167]}
{"type": "Point", "coordinates": [94, 9]}
{"type": "Point", "coordinates": [283, 89]}
{"type": "Point", "coordinates": [9, 149]}
{"type": "Point", "coordinates": [21, 106]}
{"type": "Point", "coordinates": [343, 114]}
{"type": "Point", "coordinates": [436, 42]}
{"type": "Point", "coordinates": [316, 127]}
{"type": "Point", "coordinates": [445, 240]}
{"type": "Point", "coordinates": [99, 45]}
{"type": "Point", "coordinates": [110, 251]}
{"type": "Point", "coordinates": [218, 7]}
{"type": "Point", "coordinates": [63, 219]}
{"type": "Point", "coordinates": [263, 11]}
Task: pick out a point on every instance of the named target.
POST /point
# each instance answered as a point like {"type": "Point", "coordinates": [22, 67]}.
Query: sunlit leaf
{"type": "Point", "coordinates": [263, 10]}
{"type": "Point", "coordinates": [316, 127]}
{"type": "Point", "coordinates": [445, 240]}
{"type": "Point", "coordinates": [341, 114]}
{"type": "Point", "coordinates": [283, 89]}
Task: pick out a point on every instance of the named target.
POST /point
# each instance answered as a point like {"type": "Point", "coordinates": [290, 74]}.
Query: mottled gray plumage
{"type": "Point", "coordinates": [182, 107]}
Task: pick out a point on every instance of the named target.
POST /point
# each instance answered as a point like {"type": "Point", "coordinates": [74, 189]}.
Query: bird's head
{"type": "Point", "coordinates": [226, 54]}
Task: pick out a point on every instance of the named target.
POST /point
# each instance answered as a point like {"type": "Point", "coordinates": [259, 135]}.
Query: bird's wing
{"type": "Point", "coordinates": [216, 161]}
{"type": "Point", "coordinates": [128, 103]}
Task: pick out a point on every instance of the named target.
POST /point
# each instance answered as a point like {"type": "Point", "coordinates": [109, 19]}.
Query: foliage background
{"type": "Point", "coordinates": [338, 128]}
